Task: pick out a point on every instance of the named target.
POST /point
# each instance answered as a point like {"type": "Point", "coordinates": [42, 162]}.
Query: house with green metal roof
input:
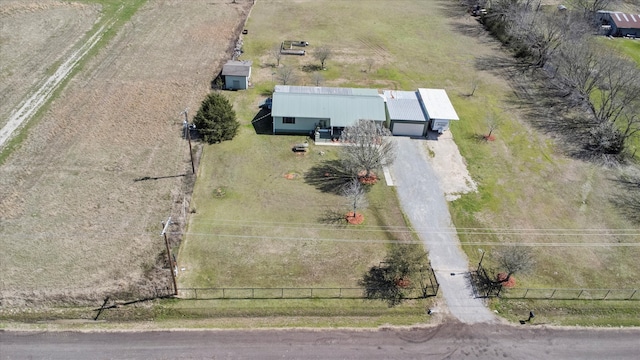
{"type": "Point", "coordinates": [328, 110]}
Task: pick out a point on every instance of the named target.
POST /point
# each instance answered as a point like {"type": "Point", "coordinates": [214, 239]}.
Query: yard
{"type": "Point", "coordinates": [529, 192]}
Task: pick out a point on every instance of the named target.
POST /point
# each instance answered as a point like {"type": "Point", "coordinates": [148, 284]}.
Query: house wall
{"type": "Point", "coordinates": [302, 125]}
{"type": "Point", "coordinates": [243, 82]}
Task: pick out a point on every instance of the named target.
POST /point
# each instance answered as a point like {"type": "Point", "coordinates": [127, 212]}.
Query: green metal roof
{"type": "Point", "coordinates": [343, 106]}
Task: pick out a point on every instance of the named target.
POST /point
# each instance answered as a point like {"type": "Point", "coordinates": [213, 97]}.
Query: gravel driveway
{"type": "Point", "coordinates": [424, 203]}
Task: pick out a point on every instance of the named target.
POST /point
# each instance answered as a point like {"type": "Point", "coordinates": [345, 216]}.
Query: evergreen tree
{"type": "Point", "coordinates": [216, 119]}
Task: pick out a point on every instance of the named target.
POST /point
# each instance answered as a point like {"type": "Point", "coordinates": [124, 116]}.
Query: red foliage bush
{"type": "Point", "coordinates": [403, 283]}
{"type": "Point", "coordinates": [367, 180]}
{"type": "Point", "coordinates": [508, 284]}
{"type": "Point", "coordinates": [354, 219]}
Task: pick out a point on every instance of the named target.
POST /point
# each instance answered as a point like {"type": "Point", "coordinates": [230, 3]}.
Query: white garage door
{"type": "Point", "coordinates": [404, 129]}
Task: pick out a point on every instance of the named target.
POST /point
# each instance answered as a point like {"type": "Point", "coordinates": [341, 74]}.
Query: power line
{"type": "Point", "coordinates": [484, 243]}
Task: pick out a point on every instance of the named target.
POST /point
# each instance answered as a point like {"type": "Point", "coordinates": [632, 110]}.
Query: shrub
{"type": "Point", "coordinates": [216, 119]}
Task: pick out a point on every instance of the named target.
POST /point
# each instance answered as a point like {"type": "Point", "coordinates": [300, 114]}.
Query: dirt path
{"type": "Point", "coordinates": [35, 101]}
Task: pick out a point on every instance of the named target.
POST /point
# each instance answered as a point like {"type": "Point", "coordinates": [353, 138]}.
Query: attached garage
{"type": "Point", "coordinates": [406, 115]}
{"type": "Point", "coordinates": [407, 129]}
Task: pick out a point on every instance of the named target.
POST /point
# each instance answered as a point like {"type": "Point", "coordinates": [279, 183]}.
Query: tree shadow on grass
{"type": "Point", "coordinates": [627, 199]}
{"type": "Point", "coordinates": [329, 177]}
{"type": "Point", "coordinates": [547, 104]}
{"type": "Point", "coordinates": [311, 68]}
{"type": "Point", "coordinates": [333, 216]}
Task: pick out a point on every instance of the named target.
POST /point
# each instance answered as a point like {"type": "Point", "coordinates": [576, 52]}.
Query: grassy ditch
{"type": "Point", "coordinates": [570, 313]}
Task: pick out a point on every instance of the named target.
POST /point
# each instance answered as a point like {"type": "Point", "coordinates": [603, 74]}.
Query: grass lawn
{"type": "Point", "coordinates": [266, 230]}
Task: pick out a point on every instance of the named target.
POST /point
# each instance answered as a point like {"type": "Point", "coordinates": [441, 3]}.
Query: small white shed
{"type": "Point", "coordinates": [236, 74]}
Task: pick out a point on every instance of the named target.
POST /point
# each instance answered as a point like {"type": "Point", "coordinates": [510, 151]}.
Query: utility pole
{"type": "Point", "coordinates": [188, 130]}
{"type": "Point", "coordinates": [171, 263]}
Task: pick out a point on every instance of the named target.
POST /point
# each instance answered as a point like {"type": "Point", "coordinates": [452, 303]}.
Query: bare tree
{"type": "Point", "coordinates": [394, 279]}
{"type": "Point", "coordinates": [318, 79]}
{"type": "Point", "coordinates": [535, 31]}
{"type": "Point", "coordinates": [287, 75]}
{"type": "Point", "coordinates": [356, 195]}
{"type": "Point", "coordinates": [515, 259]}
{"type": "Point", "coordinates": [321, 54]}
{"type": "Point", "coordinates": [369, 146]}
{"type": "Point", "coordinates": [370, 62]}
{"type": "Point", "coordinates": [277, 53]}
{"type": "Point", "coordinates": [493, 121]}
{"type": "Point", "coordinates": [609, 85]}
{"type": "Point", "coordinates": [590, 7]}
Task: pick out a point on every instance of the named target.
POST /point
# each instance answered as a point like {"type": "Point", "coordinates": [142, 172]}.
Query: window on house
{"type": "Point", "coordinates": [288, 120]}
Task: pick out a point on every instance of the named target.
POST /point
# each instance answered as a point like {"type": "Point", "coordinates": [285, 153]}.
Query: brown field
{"type": "Point", "coordinates": [74, 223]}
{"type": "Point", "coordinates": [36, 36]}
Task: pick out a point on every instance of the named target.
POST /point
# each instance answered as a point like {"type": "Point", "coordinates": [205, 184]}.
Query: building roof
{"type": "Point", "coordinates": [321, 90]}
{"type": "Point", "coordinates": [625, 21]}
{"type": "Point", "coordinates": [437, 104]}
{"type": "Point", "coordinates": [404, 105]}
{"type": "Point", "coordinates": [344, 106]}
{"type": "Point", "coordinates": [237, 68]}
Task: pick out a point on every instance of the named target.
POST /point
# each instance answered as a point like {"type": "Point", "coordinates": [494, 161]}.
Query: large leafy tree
{"type": "Point", "coordinates": [216, 119]}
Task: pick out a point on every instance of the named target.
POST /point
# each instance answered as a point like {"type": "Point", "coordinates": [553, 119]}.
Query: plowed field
{"type": "Point", "coordinates": [83, 197]}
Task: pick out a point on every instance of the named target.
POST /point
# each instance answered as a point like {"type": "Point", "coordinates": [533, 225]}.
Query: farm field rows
{"type": "Point", "coordinates": [83, 196]}
{"type": "Point", "coordinates": [35, 37]}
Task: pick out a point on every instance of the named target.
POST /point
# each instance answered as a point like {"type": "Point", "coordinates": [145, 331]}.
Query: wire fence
{"type": "Point", "coordinates": [289, 293]}
{"type": "Point", "coordinates": [571, 294]}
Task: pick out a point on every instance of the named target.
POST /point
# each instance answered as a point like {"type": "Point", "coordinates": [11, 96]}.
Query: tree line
{"type": "Point", "coordinates": [562, 43]}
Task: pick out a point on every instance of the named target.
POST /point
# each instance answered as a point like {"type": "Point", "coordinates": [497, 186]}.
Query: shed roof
{"type": "Point", "coordinates": [237, 68]}
{"type": "Point", "coordinates": [437, 104]}
{"type": "Point", "coordinates": [626, 21]}
{"type": "Point", "coordinates": [344, 106]}
{"type": "Point", "coordinates": [404, 105]}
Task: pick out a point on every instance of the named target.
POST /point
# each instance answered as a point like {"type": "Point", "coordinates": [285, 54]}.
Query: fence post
{"type": "Point", "coordinates": [581, 291]}
{"type": "Point", "coordinates": [553, 293]}
{"type": "Point", "coordinates": [311, 292]}
{"type": "Point", "coordinates": [281, 293]}
{"type": "Point", "coordinates": [633, 293]}
{"type": "Point", "coordinates": [195, 290]}
{"type": "Point", "coordinates": [607, 294]}
{"type": "Point", "coordinates": [340, 293]}
{"type": "Point", "coordinates": [525, 294]}
{"type": "Point", "coordinates": [223, 293]}
{"type": "Point", "coordinates": [253, 294]}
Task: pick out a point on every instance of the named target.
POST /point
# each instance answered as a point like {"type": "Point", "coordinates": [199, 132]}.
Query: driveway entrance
{"type": "Point", "coordinates": [424, 203]}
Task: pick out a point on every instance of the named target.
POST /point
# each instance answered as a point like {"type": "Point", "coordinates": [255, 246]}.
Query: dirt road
{"type": "Point", "coordinates": [447, 341]}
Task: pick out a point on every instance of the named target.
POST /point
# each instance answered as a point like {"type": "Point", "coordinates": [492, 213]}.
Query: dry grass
{"type": "Point", "coordinates": [34, 38]}
{"type": "Point", "coordinates": [75, 223]}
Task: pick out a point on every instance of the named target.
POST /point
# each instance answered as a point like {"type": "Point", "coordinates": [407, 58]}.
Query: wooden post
{"type": "Point", "coordinates": [188, 129]}
{"type": "Point", "coordinates": [171, 264]}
